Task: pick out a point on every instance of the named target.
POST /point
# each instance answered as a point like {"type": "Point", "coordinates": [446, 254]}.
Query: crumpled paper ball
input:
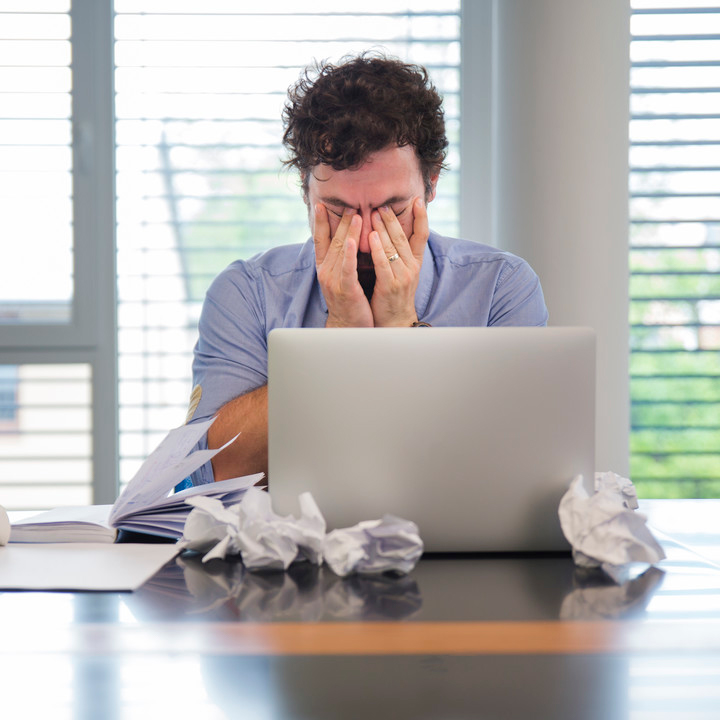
{"type": "Point", "coordinates": [603, 528]}
{"type": "Point", "coordinates": [374, 546]}
{"type": "Point", "coordinates": [252, 529]}
{"type": "Point", "coordinates": [268, 541]}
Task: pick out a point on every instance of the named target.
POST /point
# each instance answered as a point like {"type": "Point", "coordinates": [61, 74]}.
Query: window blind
{"type": "Point", "coordinates": [45, 406]}
{"type": "Point", "coordinates": [35, 162]}
{"type": "Point", "coordinates": [675, 248]}
{"type": "Point", "coordinates": [199, 95]}
{"type": "Point", "coordinates": [45, 436]}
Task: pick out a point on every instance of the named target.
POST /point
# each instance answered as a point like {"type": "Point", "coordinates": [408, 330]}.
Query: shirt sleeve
{"type": "Point", "coordinates": [231, 352]}
{"type": "Point", "coordinates": [230, 357]}
{"type": "Point", "coordinates": [518, 298]}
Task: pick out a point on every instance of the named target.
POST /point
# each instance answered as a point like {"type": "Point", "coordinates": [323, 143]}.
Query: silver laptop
{"type": "Point", "coordinates": [472, 433]}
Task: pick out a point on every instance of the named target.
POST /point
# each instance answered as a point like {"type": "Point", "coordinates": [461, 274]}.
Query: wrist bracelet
{"type": "Point", "coordinates": [421, 324]}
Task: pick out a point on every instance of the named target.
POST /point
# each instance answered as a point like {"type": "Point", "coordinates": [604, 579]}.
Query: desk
{"type": "Point", "coordinates": [459, 638]}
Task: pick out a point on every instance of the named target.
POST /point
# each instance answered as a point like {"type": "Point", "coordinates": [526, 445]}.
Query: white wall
{"type": "Point", "coordinates": [559, 169]}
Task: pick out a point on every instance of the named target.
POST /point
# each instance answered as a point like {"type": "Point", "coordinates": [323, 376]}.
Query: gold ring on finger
{"type": "Point", "coordinates": [393, 258]}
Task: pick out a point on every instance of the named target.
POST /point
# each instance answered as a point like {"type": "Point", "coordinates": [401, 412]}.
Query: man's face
{"type": "Point", "coordinates": [390, 177]}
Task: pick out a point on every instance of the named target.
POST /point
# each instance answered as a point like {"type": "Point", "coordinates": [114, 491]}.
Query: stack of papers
{"type": "Point", "coordinates": [167, 515]}
{"type": "Point", "coordinates": [145, 506]}
{"type": "Point", "coordinates": [66, 524]}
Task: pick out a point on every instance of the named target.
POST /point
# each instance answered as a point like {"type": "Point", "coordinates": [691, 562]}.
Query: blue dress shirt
{"type": "Point", "coordinates": [461, 283]}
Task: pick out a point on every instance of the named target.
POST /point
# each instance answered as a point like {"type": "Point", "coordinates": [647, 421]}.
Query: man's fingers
{"type": "Point", "coordinates": [349, 258]}
{"type": "Point", "coordinates": [380, 256]}
{"type": "Point", "coordinates": [325, 246]}
{"type": "Point", "coordinates": [390, 246]}
{"type": "Point", "coordinates": [348, 250]}
{"type": "Point", "coordinates": [321, 233]}
{"type": "Point", "coordinates": [344, 226]}
{"type": "Point", "coordinates": [421, 231]}
{"type": "Point", "coordinates": [335, 250]}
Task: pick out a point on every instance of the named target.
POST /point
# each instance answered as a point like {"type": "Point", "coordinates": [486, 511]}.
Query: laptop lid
{"type": "Point", "coordinates": [472, 433]}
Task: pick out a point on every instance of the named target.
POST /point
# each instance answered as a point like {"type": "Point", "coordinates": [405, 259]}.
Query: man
{"type": "Point", "coordinates": [368, 138]}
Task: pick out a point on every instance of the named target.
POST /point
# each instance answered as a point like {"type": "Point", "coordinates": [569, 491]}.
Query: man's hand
{"type": "Point", "coordinates": [393, 299]}
{"type": "Point", "coordinates": [336, 264]}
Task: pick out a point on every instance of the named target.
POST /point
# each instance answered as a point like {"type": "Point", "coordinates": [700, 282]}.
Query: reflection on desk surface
{"type": "Point", "coordinates": [467, 589]}
{"type": "Point", "coordinates": [225, 590]}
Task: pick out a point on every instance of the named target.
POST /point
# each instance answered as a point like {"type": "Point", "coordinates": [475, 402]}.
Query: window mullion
{"type": "Point", "coordinates": [94, 194]}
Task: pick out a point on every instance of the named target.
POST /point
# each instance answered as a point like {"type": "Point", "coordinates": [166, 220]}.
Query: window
{"type": "Point", "coordinates": [675, 248]}
{"type": "Point", "coordinates": [47, 334]}
{"type": "Point", "coordinates": [199, 96]}
{"type": "Point", "coordinates": [36, 283]}
{"type": "Point", "coordinates": [166, 118]}
{"type": "Point", "coordinates": [158, 124]}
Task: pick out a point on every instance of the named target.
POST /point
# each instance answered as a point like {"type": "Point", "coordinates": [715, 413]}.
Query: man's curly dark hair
{"type": "Point", "coordinates": [339, 115]}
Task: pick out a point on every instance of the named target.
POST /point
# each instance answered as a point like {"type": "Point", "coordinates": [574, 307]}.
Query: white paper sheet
{"type": "Point", "coordinates": [81, 566]}
{"type": "Point", "coordinates": [165, 467]}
